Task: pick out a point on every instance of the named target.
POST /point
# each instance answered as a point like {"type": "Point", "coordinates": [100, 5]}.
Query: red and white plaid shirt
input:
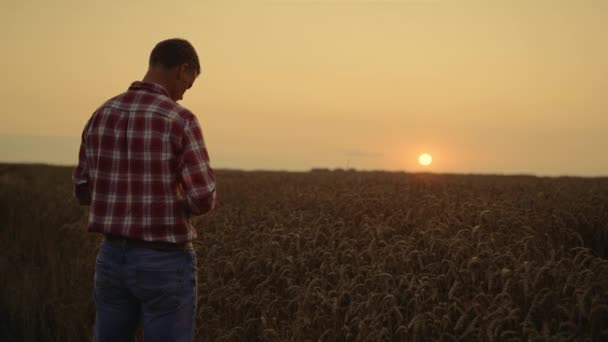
{"type": "Point", "coordinates": [143, 167]}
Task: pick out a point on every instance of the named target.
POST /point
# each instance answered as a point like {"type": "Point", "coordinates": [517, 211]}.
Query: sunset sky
{"type": "Point", "coordinates": [483, 86]}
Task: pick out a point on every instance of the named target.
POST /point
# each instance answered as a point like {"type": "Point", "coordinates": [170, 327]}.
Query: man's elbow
{"type": "Point", "coordinates": [83, 194]}
{"type": "Point", "coordinates": [203, 205]}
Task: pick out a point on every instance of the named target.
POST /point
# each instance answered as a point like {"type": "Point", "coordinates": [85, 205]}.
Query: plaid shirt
{"type": "Point", "coordinates": [143, 167]}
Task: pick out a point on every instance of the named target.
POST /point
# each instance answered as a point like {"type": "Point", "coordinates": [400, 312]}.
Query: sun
{"type": "Point", "coordinates": [425, 159]}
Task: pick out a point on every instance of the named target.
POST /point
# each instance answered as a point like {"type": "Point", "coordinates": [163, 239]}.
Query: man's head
{"type": "Point", "coordinates": [174, 65]}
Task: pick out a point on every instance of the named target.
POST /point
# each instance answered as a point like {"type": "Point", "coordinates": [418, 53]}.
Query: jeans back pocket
{"type": "Point", "coordinates": [159, 289]}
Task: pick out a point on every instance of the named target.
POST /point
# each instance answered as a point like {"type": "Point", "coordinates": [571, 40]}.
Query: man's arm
{"type": "Point", "coordinates": [80, 176]}
{"type": "Point", "coordinates": [196, 175]}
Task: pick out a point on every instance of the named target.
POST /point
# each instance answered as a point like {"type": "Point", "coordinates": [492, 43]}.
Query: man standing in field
{"type": "Point", "coordinates": [144, 170]}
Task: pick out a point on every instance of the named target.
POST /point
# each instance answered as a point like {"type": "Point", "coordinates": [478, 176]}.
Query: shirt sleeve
{"type": "Point", "coordinates": [196, 175]}
{"type": "Point", "coordinates": [80, 176]}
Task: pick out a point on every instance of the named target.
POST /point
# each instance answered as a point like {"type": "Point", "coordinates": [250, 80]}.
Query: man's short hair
{"type": "Point", "coordinates": [173, 52]}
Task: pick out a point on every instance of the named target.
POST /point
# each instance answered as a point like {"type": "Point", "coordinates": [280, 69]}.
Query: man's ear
{"type": "Point", "coordinates": [182, 70]}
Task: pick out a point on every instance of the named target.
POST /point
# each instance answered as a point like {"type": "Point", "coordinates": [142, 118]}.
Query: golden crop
{"type": "Point", "coordinates": [337, 256]}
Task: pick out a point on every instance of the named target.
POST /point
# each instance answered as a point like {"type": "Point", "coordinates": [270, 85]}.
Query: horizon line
{"type": "Point", "coordinates": [349, 169]}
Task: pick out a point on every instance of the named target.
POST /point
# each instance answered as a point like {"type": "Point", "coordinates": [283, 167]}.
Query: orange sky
{"type": "Point", "coordinates": [484, 86]}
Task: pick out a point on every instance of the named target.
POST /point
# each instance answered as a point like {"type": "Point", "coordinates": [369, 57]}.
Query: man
{"type": "Point", "coordinates": [144, 170]}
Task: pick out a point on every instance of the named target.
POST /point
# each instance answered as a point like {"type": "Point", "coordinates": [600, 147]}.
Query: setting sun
{"type": "Point", "coordinates": [425, 159]}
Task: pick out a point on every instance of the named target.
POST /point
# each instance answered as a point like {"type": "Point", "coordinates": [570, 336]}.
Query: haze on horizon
{"type": "Point", "coordinates": [483, 86]}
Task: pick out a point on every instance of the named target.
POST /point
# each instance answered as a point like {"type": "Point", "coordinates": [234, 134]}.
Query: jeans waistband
{"type": "Point", "coordinates": [162, 245]}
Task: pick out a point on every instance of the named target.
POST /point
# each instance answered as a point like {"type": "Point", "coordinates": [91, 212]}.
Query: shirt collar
{"type": "Point", "coordinates": [152, 87]}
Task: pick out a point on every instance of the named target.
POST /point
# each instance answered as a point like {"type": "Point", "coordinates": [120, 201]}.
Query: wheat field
{"type": "Point", "coordinates": [336, 256]}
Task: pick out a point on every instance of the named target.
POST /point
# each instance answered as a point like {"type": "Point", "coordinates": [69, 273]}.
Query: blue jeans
{"type": "Point", "coordinates": [139, 285]}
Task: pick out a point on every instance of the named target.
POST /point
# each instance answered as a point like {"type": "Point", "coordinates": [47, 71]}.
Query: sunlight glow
{"type": "Point", "coordinates": [425, 159]}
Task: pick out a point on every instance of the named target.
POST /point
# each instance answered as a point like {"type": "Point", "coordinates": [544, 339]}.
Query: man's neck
{"type": "Point", "coordinates": [156, 78]}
